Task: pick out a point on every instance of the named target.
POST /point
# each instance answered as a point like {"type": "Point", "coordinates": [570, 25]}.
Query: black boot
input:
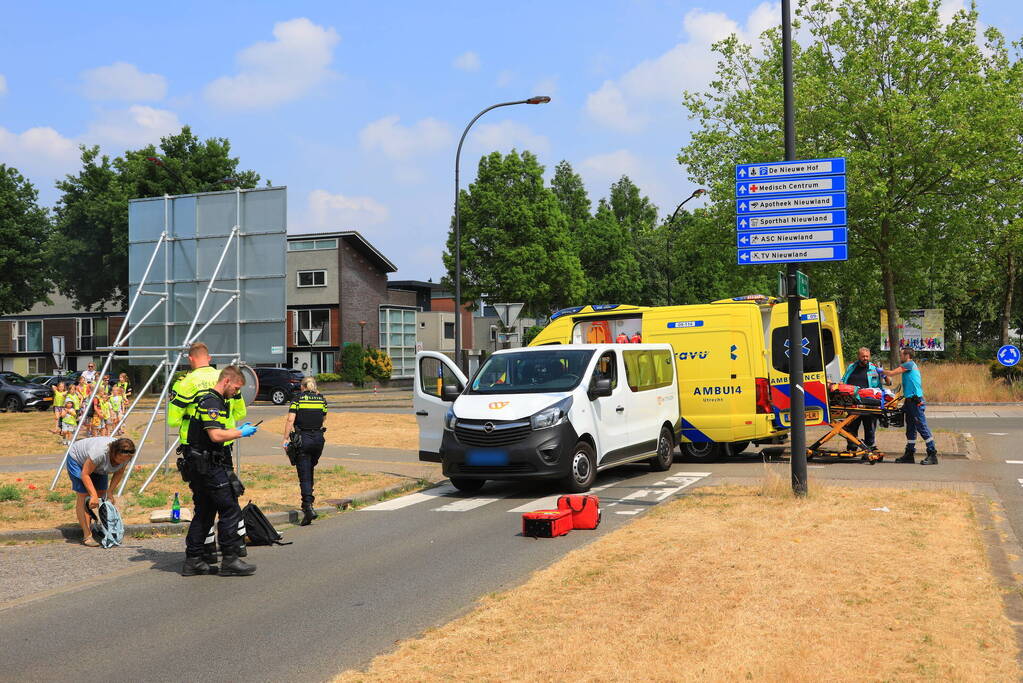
{"type": "Point", "coordinates": [932, 457]}
{"type": "Point", "coordinates": [195, 566]}
{"type": "Point", "coordinates": [243, 552]}
{"type": "Point", "coordinates": [235, 566]}
{"type": "Point", "coordinates": [308, 514]}
{"type": "Point", "coordinates": [908, 456]}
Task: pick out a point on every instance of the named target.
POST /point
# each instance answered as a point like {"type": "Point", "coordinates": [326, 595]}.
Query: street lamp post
{"type": "Point", "coordinates": [671, 221]}
{"type": "Point", "coordinates": [362, 343]}
{"type": "Point", "coordinates": [540, 99]}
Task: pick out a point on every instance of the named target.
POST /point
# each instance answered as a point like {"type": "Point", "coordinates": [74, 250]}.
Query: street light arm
{"type": "Point", "coordinates": [694, 195]}
{"type": "Point", "coordinates": [458, 152]}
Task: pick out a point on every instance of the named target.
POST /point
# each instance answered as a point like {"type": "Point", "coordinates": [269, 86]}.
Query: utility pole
{"type": "Point", "coordinates": [797, 404]}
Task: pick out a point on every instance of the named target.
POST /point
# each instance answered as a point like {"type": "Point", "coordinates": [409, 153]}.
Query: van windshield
{"type": "Point", "coordinates": [532, 372]}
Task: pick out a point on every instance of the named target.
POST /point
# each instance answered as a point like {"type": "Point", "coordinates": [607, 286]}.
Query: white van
{"type": "Point", "coordinates": [551, 412]}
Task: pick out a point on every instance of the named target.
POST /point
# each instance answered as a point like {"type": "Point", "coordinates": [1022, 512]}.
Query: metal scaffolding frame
{"type": "Point", "coordinates": [172, 355]}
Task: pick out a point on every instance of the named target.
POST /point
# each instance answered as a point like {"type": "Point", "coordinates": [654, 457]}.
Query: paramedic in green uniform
{"type": "Point", "coordinates": [303, 431]}
{"type": "Point", "coordinates": [181, 409]}
{"type": "Point", "coordinates": [864, 374]}
{"type": "Point", "coordinates": [916, 421]}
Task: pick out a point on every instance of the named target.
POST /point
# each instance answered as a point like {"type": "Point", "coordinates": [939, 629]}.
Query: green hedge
{"type": "Point", "coordinates": [1011, 375]}
{"type": "Point", "coordinates": [327, 377]}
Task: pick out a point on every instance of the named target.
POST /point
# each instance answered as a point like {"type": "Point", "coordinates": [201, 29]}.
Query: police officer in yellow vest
{"type": "Point", "coordinates": [181, 409]}
{"type": "Point", "coordinates": [303, 443]}
{"type": "Point", "coordinates": [215, 488]}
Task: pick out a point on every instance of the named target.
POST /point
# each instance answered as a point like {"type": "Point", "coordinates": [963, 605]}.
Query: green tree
{"type": "Point", "coordinates": [568, 187]}
{"type": "Point", "coordinates": [515, 242]}
{"type": "Point", "coordinates": [89, 246]}
{"type": "Point", "coordinates": [608, 257]}
{"type": "Point", "coordinates": [925, 118]}
{"type": "Point", "coordinates": [24, 230]}
{"type": "Point", "coordinates": [634, 210]}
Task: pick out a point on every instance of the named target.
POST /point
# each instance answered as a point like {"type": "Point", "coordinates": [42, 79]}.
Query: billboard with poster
{"type": "Point", "coordinates": [922, 329]}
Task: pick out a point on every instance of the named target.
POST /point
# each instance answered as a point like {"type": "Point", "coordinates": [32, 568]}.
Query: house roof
{"type": "Point", "coordinates": [355, 239]}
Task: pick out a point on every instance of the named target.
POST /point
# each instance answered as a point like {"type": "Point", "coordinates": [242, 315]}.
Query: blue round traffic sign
{"type": "Point", "coordinates": [1008, 355]}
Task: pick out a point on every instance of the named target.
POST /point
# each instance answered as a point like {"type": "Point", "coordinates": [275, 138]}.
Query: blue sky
{"type": "Point", "coordinates": [357, 107]}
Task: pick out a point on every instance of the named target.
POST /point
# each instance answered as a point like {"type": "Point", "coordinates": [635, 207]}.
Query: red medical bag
{"type": "Point", "coordinates": [842, 394]}
{"type": "Point", "coordinates": [585, 510]}
{"type": "Point", "coordinates": [546, 523]}
{"type": "Point", "coordinates": [869, 396]}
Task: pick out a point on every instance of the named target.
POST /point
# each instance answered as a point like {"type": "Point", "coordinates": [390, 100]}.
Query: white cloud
{"type": "Point", "coordinates": [505, 135]}
{"type": "Point", "coordinates": [505, 78]}
{"type": "Point", "coordinates": [135, 126]}
{"type": "Point", "coordinates": [625, 103]}
{"type": "Point", "coordinates": [546, 86]}
{"type": "Point", "coordinates": [3, 84]}
{"type": "Point", "coordinates": [467, 61]}
{"type": "Point", "coordinates": [662, 179]}
{"type": "Point", "coordinates": [38, 151]}
{"type": "Point", "coordinates": [338, 212]}
{"type": "Point", "coordinates": [285, 69]}
{"type": "Point", "coordinates": [122, 81]}
{"type": "Point", "coordinates": [400, 142]}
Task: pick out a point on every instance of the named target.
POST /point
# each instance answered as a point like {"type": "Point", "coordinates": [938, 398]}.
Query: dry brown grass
{"type": "Point", "coordinates": [377, 430]}
{"type": "Point", "coordinates": [272, 487]}
{"type": "Point", "coordinates": [29, 433]}
{"type": "Point", "coordinates": [729, 584]}
{"type": "Point", "coordinates": [966, 383]}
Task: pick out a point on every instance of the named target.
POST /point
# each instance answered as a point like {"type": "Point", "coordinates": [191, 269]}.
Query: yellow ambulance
{"type": "Point", "coordinates": [731, 358]}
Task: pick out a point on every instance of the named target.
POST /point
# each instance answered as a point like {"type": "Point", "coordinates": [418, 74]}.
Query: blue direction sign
{"type": "Point", "coordinates": [824, 200]}
{"type": "Point", "coordinates": [761, 256]}
{"type": "Point", "coordinates": [793, 219]}
{"type": "Point", "coordinates": [1008, 355]}
{"type": "Point", "coordinates": [790, 238]}
{"type": "Point", "coordinates": [790, 169]}
{"type": "Point", "coordinates": [760, 188]}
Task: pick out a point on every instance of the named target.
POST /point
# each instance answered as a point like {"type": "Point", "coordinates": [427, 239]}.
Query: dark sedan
{"type": "Point", "coordinates": [18, 393]}
{"type": "Point", "coordinates": [278, 384]}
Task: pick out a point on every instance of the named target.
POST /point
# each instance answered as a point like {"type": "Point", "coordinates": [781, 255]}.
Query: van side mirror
{"type": "Point", "coordinates": [600, 387]}
{"type": "Point", "coordinates": [449, 392]}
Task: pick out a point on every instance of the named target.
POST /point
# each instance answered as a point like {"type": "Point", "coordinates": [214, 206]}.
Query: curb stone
{"type": "Point", "coordinates": [172, 529]}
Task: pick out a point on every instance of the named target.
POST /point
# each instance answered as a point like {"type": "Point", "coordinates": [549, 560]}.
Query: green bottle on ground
{"type": "Point", "coordinates": [176, 509]}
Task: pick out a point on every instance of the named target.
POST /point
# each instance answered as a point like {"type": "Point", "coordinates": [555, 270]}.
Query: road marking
{"type": "Point", "coordinates": [627, 512]}
{"type": "Point", "coordinates": [413, 498]}
{"type": "Point", "coordinates": [815, 467]}
{"type": "Point", "coordinates": [549, 502]}
{"type": "Point", "coordinates": [1014, 462]}
{"type": "Point", "coordinates": [1020, 482]}
{"type": "Point", "coordinates": [466, 504]}
{"type": "Point", "coordinates": [998, 433]}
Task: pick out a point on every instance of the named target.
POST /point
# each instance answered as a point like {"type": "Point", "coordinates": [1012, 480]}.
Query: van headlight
{"type": "Point", "coordinates": [552, 416]}
{"type": "Point", "coordinates": [450, 420]}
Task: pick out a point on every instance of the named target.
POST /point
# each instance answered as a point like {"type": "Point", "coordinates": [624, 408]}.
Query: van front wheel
{"type": "Point", "coordinates": [703, 450]}
{"type": "Point", "coordinates": [665, 452]}
{"type": "Point", "coordinates": [584, 468]}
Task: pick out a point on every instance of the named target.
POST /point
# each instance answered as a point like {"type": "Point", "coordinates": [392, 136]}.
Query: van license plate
{"type": "Point", "coordinates": [486, 457]}
{"type": "Point", "coordinates": [812, 415]}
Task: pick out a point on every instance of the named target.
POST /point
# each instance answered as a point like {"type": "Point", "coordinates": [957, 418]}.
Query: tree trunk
{"type": "Point", "coordinates": [888, 282]}
{"type": "Point", "coordinates": [1007, 302]}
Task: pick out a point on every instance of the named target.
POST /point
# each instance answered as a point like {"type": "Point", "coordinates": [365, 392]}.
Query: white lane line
{"type": "Point", "coordinates": [550, 502]}
{"type": "Point", "coordinates": [413, 498]}
{"type": "Point", "coordinates": [1014, 462]}
{"type": "Point", "coordinates": [999, 433]}
{"type": "Point", "coordinates": [815, 467]}
{"type": "Point", "coordinates": [466, 504]}
{"type": "Point", "coordinates": [1020, 482]}
{"type": "Point", "coordinates": [627, 512]}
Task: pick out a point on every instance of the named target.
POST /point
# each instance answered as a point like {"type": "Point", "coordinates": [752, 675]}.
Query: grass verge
{"type": "Point", "coordinates": [966, 383]}
{"type": "Point", "coordinates": [376, 430]}
{"type": "Point", "coordinates": [741, 583]}
{"type": "Point", "coordinates": [29, 433]}
{"type": "Point", "coordinates": [271, 487]}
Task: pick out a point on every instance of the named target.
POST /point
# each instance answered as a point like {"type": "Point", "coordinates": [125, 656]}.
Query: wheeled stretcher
{"type": "Point", "coordinates": [845, 407]}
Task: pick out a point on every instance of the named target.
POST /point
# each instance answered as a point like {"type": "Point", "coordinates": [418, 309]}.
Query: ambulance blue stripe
{"type": "Point", "coordinates": [692, 433]}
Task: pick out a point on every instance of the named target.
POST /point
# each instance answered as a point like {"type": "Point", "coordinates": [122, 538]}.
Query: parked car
{"type": "Point", "coordinates": [277, 384]}
{"type": "Point", "coordinates": [17, 393]}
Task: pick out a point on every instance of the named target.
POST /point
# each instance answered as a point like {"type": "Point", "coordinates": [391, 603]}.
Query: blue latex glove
{"type": "Point", "coordinates": [248, 429]}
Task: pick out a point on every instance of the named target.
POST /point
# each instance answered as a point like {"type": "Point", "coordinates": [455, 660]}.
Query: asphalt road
{"type": "Point", "coordinates": [353, 585]}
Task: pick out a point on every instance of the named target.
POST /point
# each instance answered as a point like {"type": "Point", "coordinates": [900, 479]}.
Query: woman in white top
{"type": "Point", "coordinates": [89, 462]}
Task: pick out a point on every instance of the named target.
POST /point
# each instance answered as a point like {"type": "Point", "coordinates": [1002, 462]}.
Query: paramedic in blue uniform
{"type": "Point", "coordinates": [205, 467]}
{"type": "Point", "coordinates": [864, 374]}
{"type": "Point", "coordinates": [303, 434]}
{"type": "Point", "coordinates": [916, 421]}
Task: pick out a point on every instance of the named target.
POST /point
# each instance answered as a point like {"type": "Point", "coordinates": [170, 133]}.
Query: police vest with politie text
{"type": "Point", "coordinates": [309, 408]}
{"type": "Point", "coordinates": [181, 410]}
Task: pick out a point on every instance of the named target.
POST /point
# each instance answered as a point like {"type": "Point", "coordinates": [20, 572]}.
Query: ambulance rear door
{"type": "Point", "coordinates": [814, 378]}
{"type": "Point", "coordinates": [831, 341]}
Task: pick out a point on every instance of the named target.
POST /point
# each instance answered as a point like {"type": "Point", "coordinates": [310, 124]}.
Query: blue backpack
{"type": "Point", "coordinates": [107, 528]}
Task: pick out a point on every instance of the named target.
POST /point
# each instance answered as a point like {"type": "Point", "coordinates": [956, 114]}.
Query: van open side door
{"type": "Point", "coordinates": [434, 370]}
{"type": "Point", "coordinates": [831, 342]}
{"type": "Point", "coordinates": [814, 378]}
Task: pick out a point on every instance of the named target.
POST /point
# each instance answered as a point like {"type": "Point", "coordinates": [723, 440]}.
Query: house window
{"type": "Point", "coordinates": [398, 339]}
{"type": "Point", "coordinates": [92, 333]}
{"type": "Point", "coordinates": [313, 327]}
{"type": "Point", "coordinates": [28, 335]}
{"type": "Point", "coordinates": [309, 245]}
{"type": "Point", "coordinates": [449, 330]}
{"type": "Point", "coordinates": [37, 366]}
{"type": "Point", "coordinates": [312, 278]}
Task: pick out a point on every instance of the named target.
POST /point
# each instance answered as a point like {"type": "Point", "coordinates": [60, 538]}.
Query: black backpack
{"type": "Point", "coordinates": [258, 528]}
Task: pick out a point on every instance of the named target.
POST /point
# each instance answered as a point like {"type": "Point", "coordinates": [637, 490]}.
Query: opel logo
{"type": "Point", "coordinates": [488, 427]}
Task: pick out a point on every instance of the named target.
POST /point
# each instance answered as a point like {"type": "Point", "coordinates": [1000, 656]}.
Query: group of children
{"type": "Point", "coordinates": [71, 405]}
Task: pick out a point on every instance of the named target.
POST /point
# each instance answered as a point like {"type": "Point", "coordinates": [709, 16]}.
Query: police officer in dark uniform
{"type": "Point", "coordinates": [303, 433]}
{"type": "Point", "coordinates": [215, 488]}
